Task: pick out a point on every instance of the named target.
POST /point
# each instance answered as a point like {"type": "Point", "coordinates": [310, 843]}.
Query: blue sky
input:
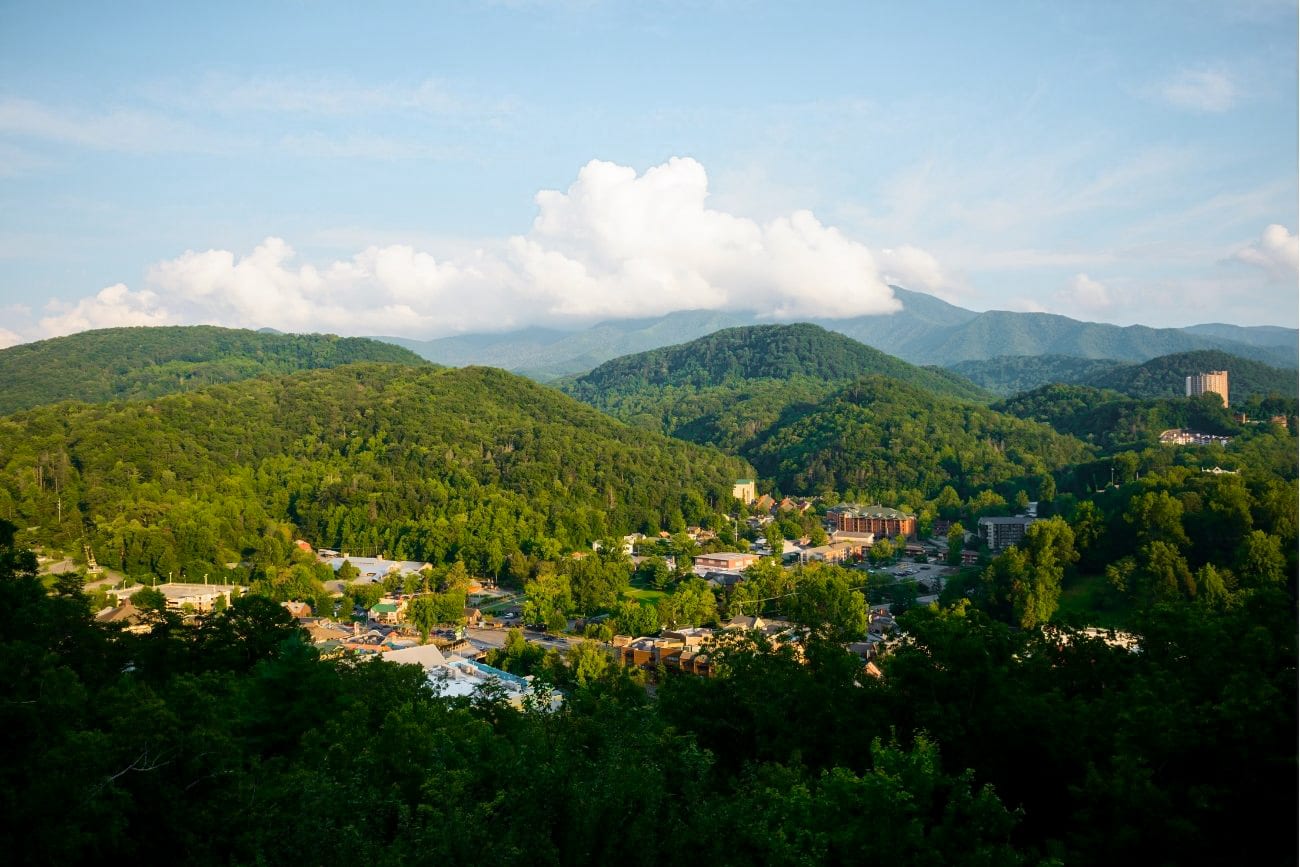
{"type": "Point", "coordinates": [432, 168]}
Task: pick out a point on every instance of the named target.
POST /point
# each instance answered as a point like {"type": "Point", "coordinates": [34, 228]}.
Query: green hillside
{"type": "Point", "coordinates": [1112, 420]}
{"type": "Point", "coordinates": [884, 437]}
{"type": "Point", "coordinates": [415, 463]}
{"type": "Point", "coordinates": [119, 363]}
{"type": "Point", "coordinates": [760, 352]}
{"type": "Point", "coordinates": [1006, 375]}
{"type": "Point", "coordinates": [1164, 376]}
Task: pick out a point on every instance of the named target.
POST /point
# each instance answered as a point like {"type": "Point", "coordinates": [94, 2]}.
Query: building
{"type": "Point", "coordinates": [745, 490]}
{"type": "Point", "coordinates": [375, 569]}
{"type": "Point", "coordinates": [836, 552]}
{"type": "Point", "coordinates": [730, 561]}
{"type": "Point", "coordinates": [880, 520]}
{"type": "Point", "coordinates": [1002, 533]}
{"type": "Point", "coordinates": [1213, 382]}
{"type": "Point", "coordinates": [1183, 437]}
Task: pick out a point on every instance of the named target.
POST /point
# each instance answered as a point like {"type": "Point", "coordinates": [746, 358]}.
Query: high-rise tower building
{"type": "Point", "coordinates": [1216, 382]}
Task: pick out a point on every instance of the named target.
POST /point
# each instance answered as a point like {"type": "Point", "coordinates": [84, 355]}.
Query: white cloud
{"type": "Point", "coordinates": [1276, 252]}
{"type": "Point", "coordinates": [9, 338]}
{"type": "Point", "coordinates": [1204, 90]}
{"type": "Point", "coordinates": [111, 307]}
{"type": "Point", "coordinates": [614, 244]}
{"type": "Point", "coordinates": [1088, 294]}
{"type": "Point", "coordinates": [913, 268]}
{"type": "Point", "coordinates": [1025, 305]}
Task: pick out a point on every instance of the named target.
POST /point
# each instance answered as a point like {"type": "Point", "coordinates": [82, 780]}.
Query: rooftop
{"type": "Point", "coordinates": [875, 511]}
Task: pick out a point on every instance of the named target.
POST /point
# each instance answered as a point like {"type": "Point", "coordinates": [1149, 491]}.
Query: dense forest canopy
{"type": "Point", "coordinates": [415, 463]}
{"type": "Point", "coordinates": [120, 363]}
{"type": "Point", "coordinates": [879, 435]}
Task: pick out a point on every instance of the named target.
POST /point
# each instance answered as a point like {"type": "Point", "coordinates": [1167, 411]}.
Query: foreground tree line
{"type": "Point", "coordinates": [231, 741]}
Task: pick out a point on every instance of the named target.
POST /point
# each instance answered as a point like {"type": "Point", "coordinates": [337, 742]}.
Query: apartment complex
{"type": "Point", "coordinates": [1001, 533]}
{"type": "Point", "coordinates": [1213, 382]}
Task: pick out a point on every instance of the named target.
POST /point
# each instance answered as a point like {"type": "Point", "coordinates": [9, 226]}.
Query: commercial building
{"type": "Point", "coordinates": [731, 561]}
{"type": "Point", "coordinates": [880, 520]}
{"type": "Point", "coordinates": [1213, 382]}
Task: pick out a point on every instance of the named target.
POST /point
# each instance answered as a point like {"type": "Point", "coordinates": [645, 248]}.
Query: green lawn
{"type": "Point", "coordinates": [644, 595]}
{"type": "Point", "coordinates": [1085, 601]}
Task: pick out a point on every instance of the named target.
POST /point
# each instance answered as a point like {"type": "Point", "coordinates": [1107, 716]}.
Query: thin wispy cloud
{"type": "Point", "coordinates": [1200, 90]}
{"type": "Point", "coordinates": [122, 130]}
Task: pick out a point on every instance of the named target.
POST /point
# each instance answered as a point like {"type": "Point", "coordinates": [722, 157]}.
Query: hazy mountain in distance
{"type": "Point", "coordinates": [927, 330]}
{"type": "Point", "coordinates": [1256, 335]}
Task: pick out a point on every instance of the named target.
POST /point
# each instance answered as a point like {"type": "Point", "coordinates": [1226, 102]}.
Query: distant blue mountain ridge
{"type": "Point", "coordinates": [927, 331]}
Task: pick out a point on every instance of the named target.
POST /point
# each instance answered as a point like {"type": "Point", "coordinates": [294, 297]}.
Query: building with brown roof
{"type": "Point", "coordinates": [877, 519]}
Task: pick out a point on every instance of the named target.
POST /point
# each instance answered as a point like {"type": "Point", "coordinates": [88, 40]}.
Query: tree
{"type": "Point", "coordinates": [693, 604]}
{"type": "Point", "coordinates": [956, 541]}
{"type": "Point", "coordinates": [654, 572]}
{"type": "Point", "coordinates": [827, 604]}
{"type": "Point", "coordinates": [1157, 517]}
{"type": "Point", "coordinates": [588, 662]}
{"type": "Point", "coordinates": [634, 618]}
{"type": "Point", "coordinates": [422, 613]}
{"type": "Point", "coordinates": [365, 595]}
{"type": "Point", "coordinates": [1259, 560]}
{"type": "Point", "coordinates": [1024, 582]}
{"type": "Point", "coordinates": [149, 599]}
{"type": "Point", "coordinates": [550, 599]}
{"type": "Point", "coordinates": [775, 539]}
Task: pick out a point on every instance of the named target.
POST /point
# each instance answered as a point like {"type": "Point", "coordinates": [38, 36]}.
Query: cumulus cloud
{"type": "Point", "coordinates": [9, 338]}
{"type": "Point", "coordinates": [111, 307]}
{"type": "Point", "coordinates": [1276, 252]}
{"type": "Point", "coordinates": [1088, 293]}
{"type": "Point", "coordinates": [914, 268]}
{"type": "Point", "coordinates": [1205, 90]}
{"type": "Point", "coordinates": [614, 244]}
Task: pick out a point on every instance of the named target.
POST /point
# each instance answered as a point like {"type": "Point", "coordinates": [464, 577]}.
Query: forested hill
{"type": "Point", "coordinates": [892, 442]}
{"type": "Point", "coordinates": [1006, 375]}
{"type": "Point", "coordinates": [118, 363]}
{"type": "Point", "coordinates": [739, 355]}
{"type": "Point", "coordinates": [1165, 376]}
{"type": "Point", "coordinates": [1114, 421]}
{"type": "Point", "coordinates": [416, 463]}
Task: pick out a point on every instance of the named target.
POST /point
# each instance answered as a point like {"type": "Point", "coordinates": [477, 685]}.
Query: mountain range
{"type": "Point", "coordinates": [926, 331]}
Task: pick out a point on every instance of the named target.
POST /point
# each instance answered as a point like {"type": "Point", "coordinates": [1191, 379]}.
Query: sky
{"type": "Point", "coordinates": [433, 168]}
